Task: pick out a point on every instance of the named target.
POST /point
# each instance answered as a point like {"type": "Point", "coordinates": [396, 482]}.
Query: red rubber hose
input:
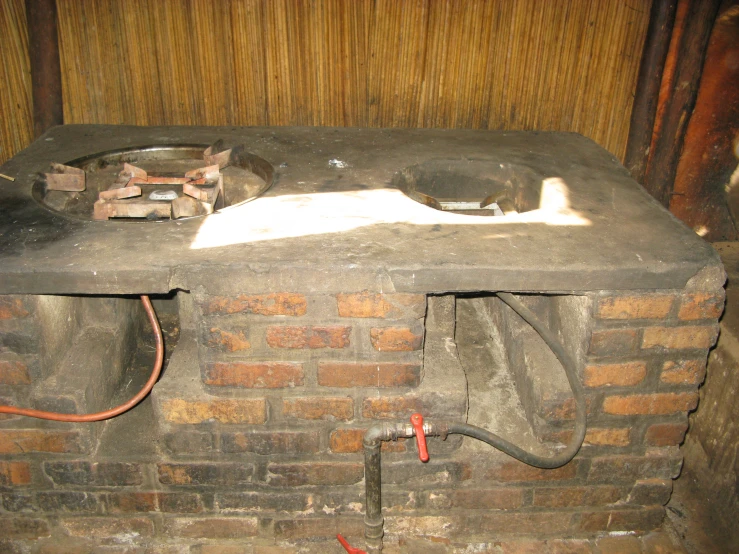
{"type": "Point", "coordinates": [107, 414]}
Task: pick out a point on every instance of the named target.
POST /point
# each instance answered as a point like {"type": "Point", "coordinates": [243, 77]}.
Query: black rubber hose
{"type": "Point", "coordinates": [580, 410]}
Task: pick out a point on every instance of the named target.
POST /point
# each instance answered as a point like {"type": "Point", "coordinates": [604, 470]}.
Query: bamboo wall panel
{"type": "Point", "coordinates": [565, 65]}
{"type": "Point", "coordinates": [16, 109]}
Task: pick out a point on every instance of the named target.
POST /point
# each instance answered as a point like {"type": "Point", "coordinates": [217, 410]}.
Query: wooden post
{"type": "Point", "coordinates": [661, 20]}
{"type": "Point", "coordinates": [46, 75]}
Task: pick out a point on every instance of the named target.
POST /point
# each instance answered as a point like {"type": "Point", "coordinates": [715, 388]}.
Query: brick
{"type": "Point", "coordinates": [650, 404]}
{"type": "Point", "coordinates": [318, 473]}
{"type": "Point", "coordinates": [131, 502]}
{"type": "Point", "coordinates": [476, 499]}
{"type": "Point", "coordinates": [232, 410]}
{"type": "Point", "coordinates": [389, 407]}
{"type": "Point", "coordinates": [679, 338]}
{"type": "Point", "coordinates": [650, 492]}
{"type": "Point", "coordinates": [189, 442]}
{"type": "Point", "coordinates": [231, 341]}
{"type": "Point", "coordinates": [615, 375]}
{"type": "Point", "coordinates": [16, 441]}
{"type": "Point", "coordinates": [375, 305]}
{"type": "Point", "coordinates": [318, 527]}
{"type": "Point", "coordinates": [643, 519]}
{"type": "Point", "coordinates": [271, 442]}
{"type": "Point", "coordinates": [12, 307]}
{"type": "Point", "coordinates": [433, 472]}
{"type": "Point", "coordinates": [614, 469]}
{"type": "Point", "coordinates": [701, 306]}
{"type": "Point", "coordinates": [205, 474]}
{"type": "Point", "coordinates": [521, 523]}
{"type": "Point", "coordinates": [117, 529]}
{"type": "Point", "coordinates": [595, 436]}
{"type": "Point", "coordinates": [666, 434]}
{"type": "Point", "coordinates": [619, 545]}
{"type": "Point", "coordinates": [66, 501]}
{"type": "Point", "coordinates": [14, 473]}
{"type": "Point", "coordinates": [550, 546]}
{"type": "Point", "coordinates": [613, 342]}
{"type": "Point", "coordinates": [23, 528]}
{"type": "Point", "coordinates": [345, 441]}
{"type": "Point", "coordinates": [395, 339]}
{"type": "Point", "coordinates": [254, 375]}
{"type": "Point", "coordinates": [659, 542]}
{"type": "Point", "coordinates": [438, 527]}
{"type": "Point", "coordinates": [212, 528]}
{"type": "Point", "coordinates": [282, 303]}
{"type": "Point", "coordinates": [100, 474]}
{"type": "Point", "coordinates": [304, 336]}
{"type": "Point", "coordinates": [223, 548]}
{"type": "Point", "coordinates": [319, 407]}
{"type": "Point", "coordinates": [567, 497]}
{"type": "Point", "coordinates": [520, 472]}
{"type": "Point", "coordinates": [655, 306]}
{"type": "Point", "coordinates": [364, 374]}
{"type": "Point", "coordinates": [683, 372]}
{"type": "Point", "coordinates": [14, 372]}
{"type": "Point", "coordinates": [263, 501]}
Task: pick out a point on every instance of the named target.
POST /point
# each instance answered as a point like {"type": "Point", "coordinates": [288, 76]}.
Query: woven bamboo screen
{"type": "Point", "coordinates": [492, 64]}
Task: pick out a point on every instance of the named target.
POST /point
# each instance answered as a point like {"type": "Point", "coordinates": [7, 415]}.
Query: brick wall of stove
{"type": "Point", "coordinates": [260, 414]}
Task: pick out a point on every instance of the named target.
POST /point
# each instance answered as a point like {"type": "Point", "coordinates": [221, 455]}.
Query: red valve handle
{"type": "Point", "coordinates": [417, 422]}
{"type": "Point", "coordinates": [350, 549]}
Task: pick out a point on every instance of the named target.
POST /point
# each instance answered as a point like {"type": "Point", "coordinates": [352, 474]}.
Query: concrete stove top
{"type": "Point", "coordinates": [334, 216]}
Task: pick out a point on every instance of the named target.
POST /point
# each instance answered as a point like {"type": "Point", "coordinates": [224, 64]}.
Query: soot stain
{"type": "Point", "coordinates": [25, 226]}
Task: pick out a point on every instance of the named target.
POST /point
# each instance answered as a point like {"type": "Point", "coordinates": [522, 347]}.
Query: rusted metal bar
{"type": "Point", "coordinates": [46, 74]}
{"type": "Point", "coordinates": [656, 46]}
{"type": "Point", "coordinates": [677, 101]}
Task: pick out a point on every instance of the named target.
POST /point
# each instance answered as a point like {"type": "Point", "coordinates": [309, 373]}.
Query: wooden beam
{"type": "Point", "coordinates": [644, 110]}
{"type": "Point", "coordinates": [46, 74]}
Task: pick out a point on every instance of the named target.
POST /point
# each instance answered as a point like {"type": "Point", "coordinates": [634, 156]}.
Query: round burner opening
{"type": "Point", "coordinates": [472, 187]}
{"type": "Point", "coordinates": [154, 183]}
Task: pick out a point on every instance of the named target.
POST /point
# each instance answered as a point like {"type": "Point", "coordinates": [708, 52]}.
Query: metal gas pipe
{"type": "Point", "coordinates": [373, 438]}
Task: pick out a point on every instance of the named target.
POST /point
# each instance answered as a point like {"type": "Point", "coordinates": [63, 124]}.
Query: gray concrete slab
{"type": "Point", "coordinates": [332, 227]}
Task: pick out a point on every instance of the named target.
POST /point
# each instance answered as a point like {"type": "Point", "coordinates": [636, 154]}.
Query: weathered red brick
{"type": "Point", "coordinates": [647, 306]}
{"type": "Point", "coordinates": [169, 502]}
{"type": "Point", "coordinates": [223, 410]}
{"type": "Point", "coordinates": [387, 306]}
{"type": "Point", "coordinates": [597, 436]}
{"type": "Point", "coordinates": [548, 523]}
{"type": "Point", "coordinates": [651, 492]}
{"type": "Point", "coordinates": [395, 339]}
{"type": "Point", "coordinates": [501, 498]}
{"type": "Point", "coordinates": [650, 404]}
{"type": "Point", "coordinates": [271, 442]}
{"type": "Point", "coordinates": [12, 307]}
{"type": "Point", "coordinates": [281, 303]}
{"type": "Point", "coordinates": [641, 519]}
{"type": "Point", "coordinates": [613, 342]}
{"type": "Point", "coordinates": [567, 497]}
{"type": "Point", "coordinates": [619, 545]}
{"type": "Point", "coordinates": [254, 375]}
{"type": "Point", "coordinates": [683, 372]}
{"type": "Point", "coordinates": [518, 471]}
{"type": "Point", "coordinates": [98, 474]}
{"type": "Point", "coordinates": [344, 441]}
{"type": "Point", "coordinates": [701, 306]}
{"type": "Point", "coordinates": [205, 474]}
{"type": "Point", "coordinates": [15, 441]}
{"type": "Point", "coordinates": [319, 407]}
{"type": "Point", "coordinates": [305, 336]}
{"type": "Point", "coordinates": [615, 375]}
{"type": "Point", "coordinates": [629, 468]}
{"type": "Point", "coordinates": [14, 473]}
{"type": "Point", "coordinates": [212, 527]}
{"type": "Point", "coordinates": [666, 434]}
{"type": "Point", "coordinates": [315, 473]}
{"type": "Point", "coordinates": [267, 500]}
{"type": "Point", "coordinates": [14, 372]}
{"type": "Point", "coordinates": [23, 528]}
{"type": "Point", "coordinates": [318, 527]}
{"type": "Point", "coordinates": [365, 374]}
{"type": "Point", "coordinates": [235, 341]}
{"type": "Point", "coordinates": [680, 337]}
{"type": "Point", "coordinates": [108, 527]}
{"type": "Point", "coordinates": [388, 407]}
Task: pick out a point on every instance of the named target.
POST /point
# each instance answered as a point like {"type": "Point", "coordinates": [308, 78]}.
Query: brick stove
{"type": "Point", "coordinates": [357, 286]}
